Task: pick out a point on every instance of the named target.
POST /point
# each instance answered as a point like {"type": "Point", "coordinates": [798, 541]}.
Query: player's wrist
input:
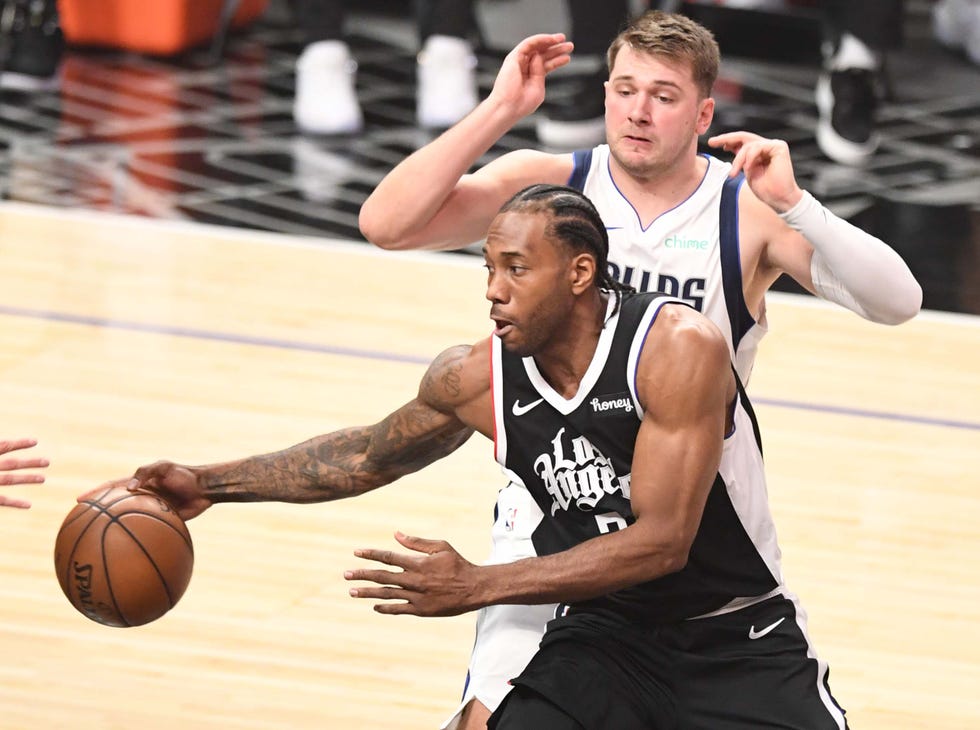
{"type": "Point", "coordinates": [785, 204]}
{"type": "Point", "coordinates": [805, 213]}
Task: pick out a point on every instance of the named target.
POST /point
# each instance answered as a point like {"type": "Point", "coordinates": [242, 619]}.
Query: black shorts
{"type": "Point", "coordinates": [747, 669]}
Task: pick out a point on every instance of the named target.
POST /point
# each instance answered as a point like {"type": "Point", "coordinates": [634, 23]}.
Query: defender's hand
{"type": "Point", "coordinates": [520, 82]}
{"type": "Point", "coordinates": [11, 470]}
{"type": "Point", "coordinates": [767, 166]}
{"type": "Point", "coordinates": [436, 581]}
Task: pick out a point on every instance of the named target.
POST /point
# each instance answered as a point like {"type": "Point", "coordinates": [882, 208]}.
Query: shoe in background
{"type": "Point", "coordinates": [956, 24]}
{"type": "Point", "coordinates": [846, 102]}
{"type": "Point", "coordinates": [325, 100]}
{"type": "Point", "coordinates": [31, 45]}
{"type": "Point", "coordinates": [576, 121]}
{"type": "Point", "coordinates": [447, 87]}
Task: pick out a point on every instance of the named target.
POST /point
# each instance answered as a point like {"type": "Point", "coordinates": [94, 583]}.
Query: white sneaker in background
{"type": "Point", "coordinates": [447, 89]}
{"type": "Point", "coordinates": [326, 100]}
{"type": "Point", "coordinates": [956, 24]}
{"type": "Point", "coordinates": [847, 101]}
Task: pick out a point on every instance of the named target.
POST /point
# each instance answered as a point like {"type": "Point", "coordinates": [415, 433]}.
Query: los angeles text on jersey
{"type": "Point", "coordinates": [577, 474]}
{"type": "Point", "coordinates": [690, 290]}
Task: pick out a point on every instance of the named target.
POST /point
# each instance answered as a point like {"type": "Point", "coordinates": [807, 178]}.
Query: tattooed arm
{"type": "Point", "coordinates": [344, 463]}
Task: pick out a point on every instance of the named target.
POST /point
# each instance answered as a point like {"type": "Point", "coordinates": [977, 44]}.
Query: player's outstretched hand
{"type": "Point", "coordinates": [519, 86]}
{"type": "Point", "coordinates": [434, 581]}
{"type": "Point", "coordinates": [767, 166]}
{"type": "Point", "coordinates": [177, 485]}
{"type": "Point", "coordinates": [11, 470]}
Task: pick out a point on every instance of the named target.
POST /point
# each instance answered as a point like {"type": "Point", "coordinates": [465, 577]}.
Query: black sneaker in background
{"type": "Point", "coordinates": [846, 103]}
{"type": "Point", "coordinates": [31, 45]}
{"type": "Point", "coordinates": [577, 120]}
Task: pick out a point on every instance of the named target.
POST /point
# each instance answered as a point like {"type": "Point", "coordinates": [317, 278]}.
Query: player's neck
{"type": "Point", "coordinates": [564, 361]}
{"type": "Point", "coordinates": [653, 194]}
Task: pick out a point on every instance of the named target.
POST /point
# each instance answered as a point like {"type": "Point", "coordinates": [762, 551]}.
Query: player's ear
{"type": "Point", "coordinates": [582, 272]}
{"type": "Point", "coordinates": [706, 112]}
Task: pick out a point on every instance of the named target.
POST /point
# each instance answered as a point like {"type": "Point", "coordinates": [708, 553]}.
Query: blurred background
{"type": "Point", "coordinates": [175, 114]}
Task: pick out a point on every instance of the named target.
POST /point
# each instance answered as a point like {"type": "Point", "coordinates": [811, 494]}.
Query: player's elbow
{"type": "Point", "coordinates": [675, 555]}
{"type": "Point", "coordinates": [378, 229]}
{"type": "Point", "coordinates": [909, 305]}
{"type": "Point", "coordinates": [902, 306]}
{"type": "Point", "coordinates": [668, 552]}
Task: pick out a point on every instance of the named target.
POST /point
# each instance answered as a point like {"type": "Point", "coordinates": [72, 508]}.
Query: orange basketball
{"type": "Point", "coordinates": [123, 558]}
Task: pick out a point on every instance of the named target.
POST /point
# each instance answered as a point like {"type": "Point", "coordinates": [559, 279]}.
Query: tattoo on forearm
{"type": "Point", "coordinates": [344, 463]}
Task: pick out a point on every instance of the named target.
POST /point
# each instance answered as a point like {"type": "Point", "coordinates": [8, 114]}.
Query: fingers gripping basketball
{"type": "Point", "coordinates": [123, 558]}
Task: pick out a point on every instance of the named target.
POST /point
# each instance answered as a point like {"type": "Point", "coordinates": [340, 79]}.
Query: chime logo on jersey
{"type": "Point", "coordinates": [686, 244]}
{"type": "Point", "coordinates": [577, 474]}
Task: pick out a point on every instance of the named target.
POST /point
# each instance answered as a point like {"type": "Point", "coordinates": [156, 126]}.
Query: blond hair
{"type": "Point", "coordinates": [673, 36]}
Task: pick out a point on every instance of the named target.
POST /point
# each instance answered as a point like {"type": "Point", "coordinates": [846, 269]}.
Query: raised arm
{"type": "Point", "coordinates": [428, 201]}
{"type": "Point", "coordinates": [686, 385]}
{"type": "Point", "coordinates": [341, 464]}
{"type": "Point", "coordinates": [826, 255]}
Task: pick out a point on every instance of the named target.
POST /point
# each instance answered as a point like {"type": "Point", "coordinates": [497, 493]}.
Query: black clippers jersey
{"type": "Point", "coordinates": [575, 457]}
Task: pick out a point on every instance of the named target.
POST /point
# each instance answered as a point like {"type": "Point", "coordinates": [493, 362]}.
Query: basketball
{"type": "Point", "coordinates": [123, 558]}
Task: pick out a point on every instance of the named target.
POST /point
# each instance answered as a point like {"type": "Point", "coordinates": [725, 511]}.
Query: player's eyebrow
{"type": "Point", "coordinates": [655, 82]}
{"type": "Point", "coordinates": [504, 254]}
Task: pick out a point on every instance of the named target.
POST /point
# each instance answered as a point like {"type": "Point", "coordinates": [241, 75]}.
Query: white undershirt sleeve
{"type": "Point", "coordinates": [853, 268]}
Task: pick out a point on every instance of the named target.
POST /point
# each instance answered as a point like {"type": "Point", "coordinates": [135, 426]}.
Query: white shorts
{"type": "Point", "coordinates": [506, 636]}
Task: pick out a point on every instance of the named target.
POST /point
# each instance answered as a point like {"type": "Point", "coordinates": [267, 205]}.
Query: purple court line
{"type": "Point", "coordinates": [200, 334]}
{"type": "Point", "coordinates": [859, 413]}
{"type": "Point", "coordinates": [414, 359]}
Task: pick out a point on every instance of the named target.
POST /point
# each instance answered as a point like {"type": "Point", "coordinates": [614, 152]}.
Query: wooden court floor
{"type": "Point", "coordinates": [125, 340]}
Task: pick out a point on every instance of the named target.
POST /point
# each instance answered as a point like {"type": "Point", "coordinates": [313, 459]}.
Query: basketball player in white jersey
{"type": "Point", "coordinates": [678, 221]}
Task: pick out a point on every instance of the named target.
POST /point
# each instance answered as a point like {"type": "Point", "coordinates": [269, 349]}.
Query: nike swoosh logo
{"type": "Point", "coordinates": [753, 634]}
{"type": "Point", "coordinates": [520, 410]}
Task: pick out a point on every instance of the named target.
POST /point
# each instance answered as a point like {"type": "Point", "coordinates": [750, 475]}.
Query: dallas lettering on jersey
{"type": "Point", "coordinates": [690, 290]}
{"type": "Point", "coordinates": [577, 474]}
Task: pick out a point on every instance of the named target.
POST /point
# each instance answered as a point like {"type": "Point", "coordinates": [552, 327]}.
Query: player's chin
{"type": "Point", "coordinates": [516, 345]}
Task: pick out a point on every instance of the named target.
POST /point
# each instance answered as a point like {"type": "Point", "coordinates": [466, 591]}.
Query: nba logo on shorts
{"type": "Point", "coordinates": [510, 519]}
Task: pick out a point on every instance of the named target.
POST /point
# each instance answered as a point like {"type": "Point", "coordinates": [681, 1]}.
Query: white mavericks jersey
{"type": "Point", "coordinates": [690, 252]}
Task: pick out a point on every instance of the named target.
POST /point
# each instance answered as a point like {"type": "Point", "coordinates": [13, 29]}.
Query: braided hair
{"type": "Point", "coordinates": [576, 223]}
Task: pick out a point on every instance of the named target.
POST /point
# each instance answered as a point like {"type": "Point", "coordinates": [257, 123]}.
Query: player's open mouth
{"type": "Point", "coordinates": [501, 326]}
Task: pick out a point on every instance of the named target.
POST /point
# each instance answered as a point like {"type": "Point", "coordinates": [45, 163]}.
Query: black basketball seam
{"type": "Point", "coordinates": [100, 509]}
{"type": "Point", "coordinates": [74, 548]}
{"type": "Point", "coordinates": [108, 578]}
{"type": "Point", "coordinates": [152, 516]}
{"type": "Point", "coordinates": [149, 557]}
{"type": "Point", "coordinates": [103, 509]}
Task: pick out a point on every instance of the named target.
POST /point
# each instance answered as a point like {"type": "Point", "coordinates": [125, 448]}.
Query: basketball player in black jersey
{"type": "Point", "coordinates": [653, 188]}
{"type": "Point", "coordinates": [622, 415]}
{"type": "Point", "coordinates": [15, 465]}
